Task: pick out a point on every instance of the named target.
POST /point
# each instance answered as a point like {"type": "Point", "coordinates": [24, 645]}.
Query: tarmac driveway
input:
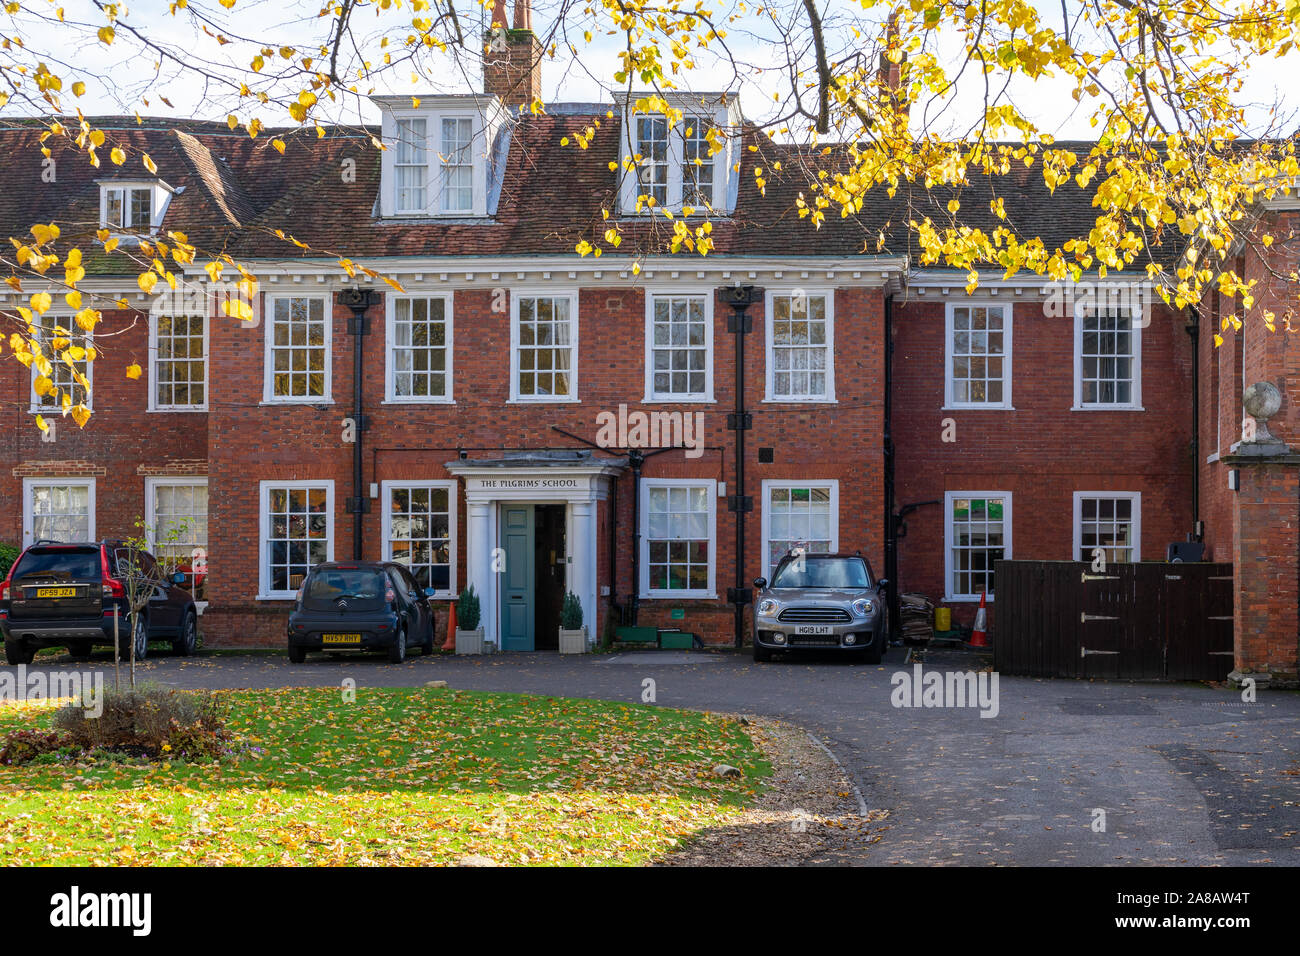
{"type": "Point", "coordinates": [1065, 773]}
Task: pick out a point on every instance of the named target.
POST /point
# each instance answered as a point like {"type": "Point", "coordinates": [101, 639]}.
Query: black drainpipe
{"type": "Point", "coordinates": [1194, 330]}
{"type": "Point", "coordinates": [636, 459]}
{"type": "Point", "coordinates": [891, 522]}
{"type": "Point", "coordinates": [358, 504]}
{"type": "Point", "coordinates": [740, 421]}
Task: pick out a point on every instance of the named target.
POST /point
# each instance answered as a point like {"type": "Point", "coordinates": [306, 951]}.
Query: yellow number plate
{"type": "Point", "coordinates": [341, 638]}
{"type": "Point", "coordinates": [56, 592]}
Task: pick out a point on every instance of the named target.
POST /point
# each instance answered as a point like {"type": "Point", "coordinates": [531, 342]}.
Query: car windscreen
{"type": "Point", "coordinates": [361, 585]}
{"type": "Point", "coordinates": [838, 573]}
{"type": "Point", "coordinates": [63, 564]}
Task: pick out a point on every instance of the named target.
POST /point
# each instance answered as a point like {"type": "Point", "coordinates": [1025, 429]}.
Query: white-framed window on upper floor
{"type": "Point", "coordinates": [132, 207]}
{"type": "Point", "coordinates": [679, 346]}
{"type": "Point", "coordinates": [977, 533]}
{"type": "Point", "coordinates": [296, 534]}
{"type": "Point", "coordinates": [58, 509]}
{"type": "Point", "coordinates": [411, 165]}
{"type": "Point", "coordinates": [799, 514]}
{"type": "Point", "coordinates": [176, 526]}
{"type": "Point", "coordinates": [298, 360]}
{"type": "Point", "coordinates": [977, 355]}
{"type": "Point", "coordinates": [1107, 358]}
{"type": "Point", "coordinates": [678, 537]}
{"type": "Point", "coordinates": [1109, 522]}
{"type": "Point", "coordinates": [68, 376]}
{"type": "Point", "coordinates": [420, 351]}
{"type": "Point", "coordinates": [456, 156]}
{"type": "Point", "coordinates": [544, 347]}
{"type": "Point", "coordinates": [800, 345]}
{"type": "Point", "coordinates": [680, 159]}
{"type": "Point", "coordinates": [420, 531]}
{"type": "Point", "coordinates": [178, 363]}
{"type": "Point", "coordinates": [440, 157]}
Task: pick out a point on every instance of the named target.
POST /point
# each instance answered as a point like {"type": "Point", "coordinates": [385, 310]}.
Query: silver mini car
{"type": "Point", "coordinates": [824, 602]}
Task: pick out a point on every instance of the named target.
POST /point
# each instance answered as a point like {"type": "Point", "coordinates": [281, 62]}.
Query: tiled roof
{"type": "Point", "coordinates": [238, 191]}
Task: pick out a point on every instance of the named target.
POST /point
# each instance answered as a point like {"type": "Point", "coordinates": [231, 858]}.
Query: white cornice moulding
{"type": "Point", "coordinates": [867, 272]}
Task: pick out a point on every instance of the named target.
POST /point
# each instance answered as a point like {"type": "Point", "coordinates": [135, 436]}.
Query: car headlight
{"type": "Point", "coordinates": [862, 607]}
{"type": "Point", "coordinates": [767, 607]}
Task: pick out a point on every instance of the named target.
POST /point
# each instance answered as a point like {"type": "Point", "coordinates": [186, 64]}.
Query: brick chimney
{"type": "Point", "coordinates": [890, 74]}
{"type": "Point", "coordinates": [512, 60]}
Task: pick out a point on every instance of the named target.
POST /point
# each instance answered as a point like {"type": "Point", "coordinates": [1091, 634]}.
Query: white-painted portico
{"type": "Point", "coordinates": [577, 479]}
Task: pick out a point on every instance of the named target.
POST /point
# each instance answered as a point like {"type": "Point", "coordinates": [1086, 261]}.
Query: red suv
{"type": "Point", "coordinates": [64, 595]}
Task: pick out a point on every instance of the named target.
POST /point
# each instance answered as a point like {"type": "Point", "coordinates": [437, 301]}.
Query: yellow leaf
{"type": "Point", "coordinates": [117, 155]}
{"type": "Point", "coordinates": [147, 281]}
{"type": "Point", "coordinates": [42, 424]}
{"type": "Point", "coordinates": [133, 370]}
{"type": "Point", "coordinates": [80, 414]}
{"type": "Point", "coordinates": [105, 35]}
{"type": "Point", "coordinates": [149, 164]}
{"type": "Point", "coordinates": [41, 302]}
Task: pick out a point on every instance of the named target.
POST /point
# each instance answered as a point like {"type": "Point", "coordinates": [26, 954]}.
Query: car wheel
{"type": "Point", "coordinates": [876, 652]}
{"type": "Point", "coordinates": [297, 654]}
{"type": "Point", "coordinates": [141, 639]}
{"type": "Point", "coordinates": [80, 650]}
{"type": "Point", "coordinates": [17, 652]}
{"type": "Point", "coordinates": [761, 654]}
{"type": "Point", "coordinates": [184, 645]}
{"type": "Point", "coordinates": [397, 653]}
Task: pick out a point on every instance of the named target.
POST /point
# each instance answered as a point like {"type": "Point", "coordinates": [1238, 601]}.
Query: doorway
{"type": "Point", "coordinates": [533, 579]}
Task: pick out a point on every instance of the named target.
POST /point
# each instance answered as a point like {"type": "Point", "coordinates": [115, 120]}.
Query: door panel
{"type": "Point", "coordinates": [517, 595]}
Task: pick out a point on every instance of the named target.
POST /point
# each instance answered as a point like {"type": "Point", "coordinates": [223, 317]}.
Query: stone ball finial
{"type": "Point", "coordinates": [1262, 400]}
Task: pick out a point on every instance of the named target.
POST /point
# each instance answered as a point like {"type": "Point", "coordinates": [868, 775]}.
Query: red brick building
{"type": "Point", "coordinates": [503, 379]}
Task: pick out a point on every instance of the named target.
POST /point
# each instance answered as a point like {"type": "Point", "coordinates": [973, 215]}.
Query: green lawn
{"type": "Point", "coordinates": [409, 776]}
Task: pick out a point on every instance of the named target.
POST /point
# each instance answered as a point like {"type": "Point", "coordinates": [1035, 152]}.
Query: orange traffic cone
{"type": "Point", "coordinates": [450, 643]}
{"type": "Point", "coordinates": [978, 638]}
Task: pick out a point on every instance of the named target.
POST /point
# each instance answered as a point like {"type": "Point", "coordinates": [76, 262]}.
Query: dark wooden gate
{"type": "Point", "coordinates": [1132, 621]}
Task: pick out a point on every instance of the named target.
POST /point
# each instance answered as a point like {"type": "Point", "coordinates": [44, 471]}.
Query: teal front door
{"type": "Point", "coordinates": [518, 579]}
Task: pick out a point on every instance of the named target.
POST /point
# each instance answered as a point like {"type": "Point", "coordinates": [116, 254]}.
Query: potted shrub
{"type": "Point", "coordinates": [469, 635]}
{"type": "Point", "coordinates": [573, 636]}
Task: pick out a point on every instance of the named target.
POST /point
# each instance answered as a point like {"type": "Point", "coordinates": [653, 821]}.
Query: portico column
{"type": "Point", "coordinates": [478, 563]}
{"type": "Point", "coordinates": [583, 568]}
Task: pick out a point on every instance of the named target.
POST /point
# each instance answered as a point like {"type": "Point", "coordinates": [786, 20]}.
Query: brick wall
{"type": "Point", "coordinates": [250, 442]}
{"type": "Point", "coordinates": [1042, 451]}
{"type": "Point", "coordinates": [120, 445]}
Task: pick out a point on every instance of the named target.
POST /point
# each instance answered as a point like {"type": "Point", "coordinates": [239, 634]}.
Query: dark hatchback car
{"type": "Point", "coordinates": [361, 606]}
{"type": "Point", "coordinates": [64, 595]}
{"type": "Point", "coordinates": [821, 602]}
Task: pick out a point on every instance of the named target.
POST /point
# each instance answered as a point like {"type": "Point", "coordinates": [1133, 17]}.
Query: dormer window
{"type": "Point", "coordinates": [129, 208]}
{"type": "Point", "coordinates": [132, 208]}
{"type": "Point", "coordinates": [675, 165]}
{"type": "Point", "coordinates": [439, 156]}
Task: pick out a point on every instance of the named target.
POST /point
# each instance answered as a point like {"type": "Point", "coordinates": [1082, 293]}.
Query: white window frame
{"type": "Point", "coordinates": [444, 165]}
{"type": "Point", "coordinates": [772, 484]}
{"type": "Point", "coordinates": [1135, 392]}
{"type": "Point", "coordinates": [769, 320]}
{"type": "Point", "coordinates": [160, 195]}
{"type": "Point", "coordinates": [390, 346]}
{"type": "Point", "coordinates": [1008, 312]}
{"type": "Point", "coordinates": [268, 339]}
{"type": "Point", "coordinates": [711, 490]}
{"type": "Point", "coordinates": [264, 592]}
{"type": "Point", "coordinates": [725, 116]}
{"type": "Point", "coordinates": [485, 115]}
{"type": "Point", "coordinates": [69, 322]}
{"type": "Point", "coordinates": [427, 166]}
{"type": "Point", "coordinates": [150, 510]}
{"type": "Point", "coordinates": [948, 496]}
{"type": "Point", "coordinates": [1135, 522]}
{"type": "Point", "coordinates": [453, 554]}
{"type": "Point", "coordinates": [29, 484]}
{"type": "Point", "coordinates": [154, 404]}
{"type": "Point", "coordinates": [651, 396]}
{"type": "Point", "coordinates": [575, 322]}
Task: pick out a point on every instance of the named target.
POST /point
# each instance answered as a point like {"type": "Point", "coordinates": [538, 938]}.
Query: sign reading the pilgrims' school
{"type": "Point", "coordinates": [525, 484]}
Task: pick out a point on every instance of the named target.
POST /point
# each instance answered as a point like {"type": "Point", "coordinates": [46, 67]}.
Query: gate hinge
{"type": "Point", "coordinates": [1084, 652]}
{"type": "Point", "coordinates": [1085, 617]}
